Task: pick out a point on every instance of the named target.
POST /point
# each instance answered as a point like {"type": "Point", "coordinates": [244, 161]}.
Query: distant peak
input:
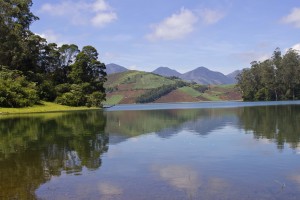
{"type": "Point", "coordinates": [114, 68]}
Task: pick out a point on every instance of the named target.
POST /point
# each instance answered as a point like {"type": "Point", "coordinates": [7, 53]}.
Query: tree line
{"type": "Point", "coordinates": [154, 94]}
{"type": "Point", "coordinates": [32, 69]}
{"type": "Point", "coordinates": [277, 78]}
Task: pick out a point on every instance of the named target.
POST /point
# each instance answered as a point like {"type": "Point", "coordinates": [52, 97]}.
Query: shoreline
{"type": "Point", "coordinates": [45, 107]}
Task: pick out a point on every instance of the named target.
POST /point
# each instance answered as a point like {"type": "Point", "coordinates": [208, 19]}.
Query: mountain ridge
{"type": "Point", "coordinates": [201, 75]}
{"type": "Point", "coordinates": [167, 72]}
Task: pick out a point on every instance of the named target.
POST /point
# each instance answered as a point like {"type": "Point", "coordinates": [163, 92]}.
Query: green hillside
{"type": "Point", "coordinates": [143, 87]}
{"type": "Point", "coordinates": [137, 80]}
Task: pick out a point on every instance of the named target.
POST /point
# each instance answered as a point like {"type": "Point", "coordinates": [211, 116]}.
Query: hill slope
{"type": "Point", "coordinates": [128, 87]}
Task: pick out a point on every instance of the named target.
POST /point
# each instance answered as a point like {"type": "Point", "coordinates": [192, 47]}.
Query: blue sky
{"type": "Point", "coordinates": [222, 35]}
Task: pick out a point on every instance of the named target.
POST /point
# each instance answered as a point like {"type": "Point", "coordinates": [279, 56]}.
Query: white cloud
{"type": "Point", "coordinates": [101, 19]}
{"type": "Point", "coordinates": [56, 9]}
{"type": "Point", "coordinates": [98, 13]}
{"type": "Point", "coordinates": [101, 5]}
{"type": "Point", "coordinates": [293, 18]}
{"type": "Point", "coordinates": [211, 16]}
{"type": "Point", "coordinates": [51, 37]}
{"type": "Point", "coordinates": [296, 47]}
{"type": "Point", "coordinates": [108, 189]}
{"type": "Point", "coordinates": [252, 56]}
{"type": "Point", "coordinates": [174, 27]}
{"type": "Point", "coordinates": [180, 177]}
{"type": "Point", "coordinates": [132, 67]}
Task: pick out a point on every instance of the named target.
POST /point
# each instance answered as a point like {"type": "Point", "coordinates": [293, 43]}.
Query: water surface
{"type": "Point", "coordinates": [223, 150]}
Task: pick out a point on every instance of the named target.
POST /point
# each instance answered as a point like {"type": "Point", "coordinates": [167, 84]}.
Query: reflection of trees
{"type": "Point", "coordinates": [34, 148]}
{"type": "Point", "coordinates": [166, 123]}
{"type": "Point", "coordinates": [278, 123]}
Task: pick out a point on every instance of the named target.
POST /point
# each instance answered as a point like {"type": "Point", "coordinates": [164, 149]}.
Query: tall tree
{"type": "Point", "coordinates": [291, 72]}
{"type": "Point", "coordinates": [15, 19]}
{"type": "Point", "coordinates": [87, 68]}
{"type": "Point", "coordinates": [277, 78]}
{"type": "Point", "coordinates": [68, 54]}
{"type": "Point", "coordinates": [246, 83]}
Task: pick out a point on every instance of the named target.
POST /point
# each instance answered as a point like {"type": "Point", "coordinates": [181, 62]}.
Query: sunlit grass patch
{"type": "Point", "coordinates": [115, 99]}
{"type": "Point", "coordinates": [42, 107]}
{"type": "Point", "coordinates": [190, 91]}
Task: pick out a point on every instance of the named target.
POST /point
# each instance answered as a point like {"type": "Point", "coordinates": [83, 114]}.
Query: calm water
{"type": "Point", "coordinates": [197, 151]}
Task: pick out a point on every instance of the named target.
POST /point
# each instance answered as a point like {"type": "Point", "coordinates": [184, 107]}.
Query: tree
{"type": "Point", "coordinates": [15, 90]}
{"type": "Point", "coordinates": [246, 83]}
{"type": "Point", "coordinates": [290, 72]}
{"type": "Point", "coordinates": [277, 78]}
{"type": "Point", "coordinates": [15, 20]}
{"type": "Point", "coordinates": [269, 80]}
{"type": "Point", "coordinates": [68, 54]}
{"type": "Point", "coordinates": [44, 68]}
{"type": "Point", "coordinates": [87, 76]}
{"type": "Point", "coordinates": [86, 67]}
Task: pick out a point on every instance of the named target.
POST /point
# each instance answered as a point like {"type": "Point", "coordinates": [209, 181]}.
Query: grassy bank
{"type": "Point", "coordinates": [43, 107]}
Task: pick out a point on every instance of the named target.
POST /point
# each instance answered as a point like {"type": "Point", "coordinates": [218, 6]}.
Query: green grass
{"type": "Point", "coordinates": [190, 91]}
{"type": "Point", "coordinates": [228, 86]}
{"type": "Point", "coordinates": [211, 97]}
{"type": "Point", "coordinates": [121, 78]}
{"type": "Point", "coordinates": [140, 80]}
{"type": "Point", "coordinates": [151, 81]}
{"type": "Point", "coordinates": [115, 99]}
{"type": "Point", "coordinates": [43, 107]}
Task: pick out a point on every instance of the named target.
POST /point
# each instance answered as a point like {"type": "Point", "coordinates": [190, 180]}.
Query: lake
{"type": "Point", "coordinates": [217, 150]}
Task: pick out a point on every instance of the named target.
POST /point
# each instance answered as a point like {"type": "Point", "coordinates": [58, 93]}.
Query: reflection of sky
{"type": "Point", "coordinates": [180, 177]}
{"type": "Point", "coordinates": [176, 163]}
{"type": "Point", "coordinates": [227, 163]}
{"type": "Point", "coordinates": [225, 104]}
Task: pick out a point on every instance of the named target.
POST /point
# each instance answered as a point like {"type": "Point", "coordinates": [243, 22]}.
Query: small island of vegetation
{"type": "Point", "coordinates": [33, 71]}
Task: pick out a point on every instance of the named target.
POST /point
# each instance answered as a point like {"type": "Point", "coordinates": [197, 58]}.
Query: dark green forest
{"type": "Point", "coordinates": [277, 78]}
{"type": "Point", "coordinates": [32, 70]}
{"type": "Point", "coordinates": [156, 93]}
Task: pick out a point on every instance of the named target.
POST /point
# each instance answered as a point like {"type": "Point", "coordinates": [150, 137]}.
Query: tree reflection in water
{"type": "Point", "coordinates": [276, 123]}
{"type": "Point", "coordinates": [35, 148]}
{"type": "Point", "coordinates": [279, 124]}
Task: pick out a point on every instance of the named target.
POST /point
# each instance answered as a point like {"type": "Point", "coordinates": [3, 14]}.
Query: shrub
{"type": "Point", "coordinates": [95, 99]}
{"type": "Point", "coordinates": [15, 90]}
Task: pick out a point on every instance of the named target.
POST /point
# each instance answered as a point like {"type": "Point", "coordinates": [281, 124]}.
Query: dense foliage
{"type": "Point", "coordinates": [277, 78]}
{"type": "Point", "coordinates": [15, 90]}
{"type": "Point", "coordinates": [34, 70]}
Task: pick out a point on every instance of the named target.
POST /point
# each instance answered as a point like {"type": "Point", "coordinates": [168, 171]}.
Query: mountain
{"type": "Point", "coordinates": [203, 75]}
{"type": "Point", "coordinates": [114, 68]}
{"type": "Point", "coordinates": [167, 72]}
{"type": "Point", "coordinates": [232, 75]}
{"type": "Point", "coordinates": [199, 75]}
{"type": "Point", "coordinates": [128, 87]}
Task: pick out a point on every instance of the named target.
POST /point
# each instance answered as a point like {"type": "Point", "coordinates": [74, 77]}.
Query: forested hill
{"type": "Point", "coordinates": [277, 78]}
{"type": "Point", "coordinates": [32, 70]}
{"type": "Point", "coordinates": [144, 87]}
